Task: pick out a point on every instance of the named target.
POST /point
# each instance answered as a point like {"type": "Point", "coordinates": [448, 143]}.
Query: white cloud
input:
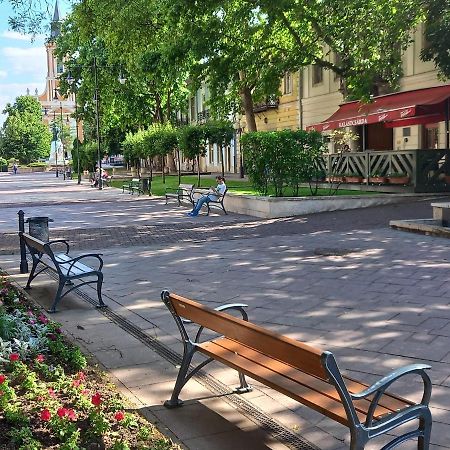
{"type": "Point", "coordinates": [15, 36]}
{"type": "Point", "coordinates": [3, 73]}
{"type": "Point", "coordinates": [24, 60]}
{"type": "Point", "coordinates": [9, 92]}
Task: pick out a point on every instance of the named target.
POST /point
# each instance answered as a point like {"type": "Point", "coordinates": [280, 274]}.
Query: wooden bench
{"type": "Point", "coordinates": [67, 267]}
{"type": "Point", "coordinates": [135, 185]}
{"type": "Point", "coordinates": [300, 371]}
{"type": "Point", "coordinates": [181, 193]}
{"type": "Point", "coordinates": [212, 203]}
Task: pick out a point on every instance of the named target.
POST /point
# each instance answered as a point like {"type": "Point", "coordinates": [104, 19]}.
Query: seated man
{"type": "Point", "coordinates": [213, 194]}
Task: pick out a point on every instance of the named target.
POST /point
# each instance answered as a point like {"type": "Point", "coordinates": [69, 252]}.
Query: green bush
{"type": "Point", "coordinates": [282, 158]}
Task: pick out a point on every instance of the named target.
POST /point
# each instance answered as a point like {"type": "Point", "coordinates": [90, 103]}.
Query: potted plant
{"type": "Point", "coordinates": [336, 178]}
{"type": "Point", "coordinates": [377, 178]}
{"type": "Point", "coordinates": [398, 178]}
{"type": "Point", "coordinates": [353, 178]}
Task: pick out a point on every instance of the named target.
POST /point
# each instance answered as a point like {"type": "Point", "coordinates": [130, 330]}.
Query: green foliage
{"type": "Point", "coordinates": [280, 158]}
{"type": "Point", "coordinates": [437, 35]}
{"type": "Point", "coordinates": [37, 164]}
{"type": "Point", "coordinates": [191, 140]}
{"type": "Point", "coordinates": [23, 135]}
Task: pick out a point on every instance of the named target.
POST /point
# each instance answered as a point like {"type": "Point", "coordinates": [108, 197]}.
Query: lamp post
{"type": "Point", "coordinates": [62, 143]}
{"type": "Point", "coordinates": [55, 135]}
{"type": "Point", "coordinates": [97, 125]}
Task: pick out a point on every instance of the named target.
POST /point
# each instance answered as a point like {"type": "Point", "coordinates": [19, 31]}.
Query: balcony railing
{"type": "Point", "coordinates": [270, 103]}
{"type": "Point", "coordinates": [427, 170]}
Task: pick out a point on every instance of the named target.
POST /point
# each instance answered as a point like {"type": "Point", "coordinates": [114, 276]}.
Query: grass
{"type": "Point", "coordinates": [237, 186]}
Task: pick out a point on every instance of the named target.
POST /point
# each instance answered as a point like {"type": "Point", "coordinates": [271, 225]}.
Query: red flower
{"type": "Point", "coordinates": [61, 412]}
{"type": "Point", "coordinates": [71, 414]}
{"type": "Point", "coordinates": [40, 358]}
{"type": "Point", "coordinates": [45, 415]}
{"type": "Point", "coordinates": [2, 378]}
{"type": "Point", "coordinates": [96, 399]}
{"type": "Point", "coordinates": [14, 357]}
{"type": "Point", "coordinates": [119, 415]}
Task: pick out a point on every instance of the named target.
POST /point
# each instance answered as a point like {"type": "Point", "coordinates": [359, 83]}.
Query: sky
{"type": "Point", "coordinates": [22, 62]}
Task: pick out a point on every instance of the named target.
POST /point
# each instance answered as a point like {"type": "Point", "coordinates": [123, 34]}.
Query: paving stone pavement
{"type": "Point", "coordinates": [343, 281]}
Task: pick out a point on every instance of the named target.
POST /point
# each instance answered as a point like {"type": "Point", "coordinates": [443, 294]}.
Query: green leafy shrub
{"type": "Point", "coordinates": [282, 158]}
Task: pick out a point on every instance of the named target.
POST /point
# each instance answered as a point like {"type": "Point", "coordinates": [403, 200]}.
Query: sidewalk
{"type": "Point", "coordinates": [376, 297]}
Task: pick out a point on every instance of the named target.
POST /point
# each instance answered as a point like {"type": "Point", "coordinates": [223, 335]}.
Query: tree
{"type": "Point", "coordinates": [23, 135]}
{"type": "Point", "coordinates": [191, 140]}
{"type": "Point", "coordinates": [437, 35]}
{"type": "Point", "coordinates": [220, 133]}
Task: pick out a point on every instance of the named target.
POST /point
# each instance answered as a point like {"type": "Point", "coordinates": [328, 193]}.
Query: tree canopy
{"type": "Point", "coordinates": [24, 136]}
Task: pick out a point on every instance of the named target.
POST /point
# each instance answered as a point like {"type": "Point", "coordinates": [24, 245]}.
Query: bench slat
{"type": "Point", "coordinates": [34, 242]}
{"type": "Point", "coordinates": [277, 346]}
{"type": "Point", "coordinates": [77, 269]}
{"type": "Point", "coordinates": [315, 400]}
{"type": "Point", "coordinates": [386, 405]}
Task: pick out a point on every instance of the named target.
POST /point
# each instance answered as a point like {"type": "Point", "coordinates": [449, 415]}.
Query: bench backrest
{"type": "Point", "coordinates": [186, 187]}
{"type": "Point", "coordinates": [34, 243]}
{"type": "Point", "coordinates": [297, 354]}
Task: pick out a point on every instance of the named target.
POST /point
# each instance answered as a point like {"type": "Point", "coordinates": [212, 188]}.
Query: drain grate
{"type": "Point", "coordinates": [278, 431]}
{"type": "Point", "coordinates": [334, 251]}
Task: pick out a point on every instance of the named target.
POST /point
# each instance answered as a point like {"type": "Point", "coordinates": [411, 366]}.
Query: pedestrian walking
{"type": "Point", "coordinates": [15, 168]}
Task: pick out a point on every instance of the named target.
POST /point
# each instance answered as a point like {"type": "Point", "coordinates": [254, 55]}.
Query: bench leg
{"type": "Point", "coordinates": [244, 386]}
{"type": "Point", "coordinates": [30, 278]}
{"type": "Point", "coordinates": [174, 401]}
{"type": "Point", "coordinates": [99, 291]}
{"type": "Point", "coordinates": [57, 296]}
{"type": "Point", "coordinates": [424, 426]}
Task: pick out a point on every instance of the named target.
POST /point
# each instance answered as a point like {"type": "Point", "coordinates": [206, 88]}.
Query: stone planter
{"type": "Point", "coordinates": [353, 179]}
{"type": "Point", "coordinates": [398, 180]}
{"type": "Point", "coordinates": [378, 180]}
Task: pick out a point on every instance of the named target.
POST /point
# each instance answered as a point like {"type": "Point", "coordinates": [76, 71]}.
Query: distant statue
{"type": "Point", "coordinates": [56, 148]}
{"type": "Point", "coordinates": [56, 133]}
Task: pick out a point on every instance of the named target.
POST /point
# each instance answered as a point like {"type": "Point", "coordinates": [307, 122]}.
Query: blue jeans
{"type": "Point", "coordinates": [200, 202]}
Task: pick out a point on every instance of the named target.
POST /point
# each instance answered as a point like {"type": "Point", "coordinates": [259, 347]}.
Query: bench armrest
{"type": "Point", "coordinates": [60, 241]}
{"type": "Point", "coordinates": [87, 255]}
{"type": "Point", "coordinates": [380, 387]}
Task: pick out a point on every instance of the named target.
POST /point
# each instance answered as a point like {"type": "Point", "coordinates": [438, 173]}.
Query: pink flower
{"type": "Point", "coordinates": [81, 376]}
{"type": "Point", "coordinates": [96, 399]}
{"type": "Point", "coordinates": [71, 414]}
{"type": "Point", "coordinates": [76, 383]}
{"type": "Point", "coordinates": [51, 392]}
{"type": "Point", "coordinates": [14, 357]}
{"type": "Point", "coordinates": [85, 392]}
{"type": "Point", "coordinates": [61, 412]}
{"type": "Point", "coordinates": [2, 378]}
{"type": "Point", "coordinates": [119, 415]}
{"type": "Point", "coordinates": [40, 358]}
{"type": "Point", "coordinates": [58, 330]}
{"type": "Point", "coordinates": [51, 336]}
{"type": "Point", "coordinates": [45, 415]}
{"type": "Point", "coordinates": [43, 319]}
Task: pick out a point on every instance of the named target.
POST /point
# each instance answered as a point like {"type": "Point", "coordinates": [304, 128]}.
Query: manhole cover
{"type": "Point", "coordinates": [333, 251]}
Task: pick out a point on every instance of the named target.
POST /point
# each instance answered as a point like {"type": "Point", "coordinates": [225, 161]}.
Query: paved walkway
{"type": "Point", "coordinates": [376, 297]}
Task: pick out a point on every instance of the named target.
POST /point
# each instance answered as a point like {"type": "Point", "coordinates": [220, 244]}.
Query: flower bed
{"type": "Point", "coordinates": [50, 398]}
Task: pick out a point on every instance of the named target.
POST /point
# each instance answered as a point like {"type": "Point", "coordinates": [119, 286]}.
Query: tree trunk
{"type": "Point", "coordinates": [163, 171]}
{"type": "Point", "coordinates": [247, 103]}
{"type": "Point", "coordinates": [221, 160]}
{"type": "Point", "coordinates": [179, 166]}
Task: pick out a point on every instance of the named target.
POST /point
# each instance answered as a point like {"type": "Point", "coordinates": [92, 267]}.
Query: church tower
{"type": "Point", "coordinates": [54, 105]}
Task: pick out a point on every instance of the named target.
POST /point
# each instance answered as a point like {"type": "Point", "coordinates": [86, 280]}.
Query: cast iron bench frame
{"type": "Point", "coordinates": [180, 193]}
{"type": "Point", "coordinates": [67, 267]}
{"type": "Point", "coordinates": [133, 185]}
{"type": "Point", "coordinates": [306, 374]}
{"type": "Point", "coordinates": [211, 203]}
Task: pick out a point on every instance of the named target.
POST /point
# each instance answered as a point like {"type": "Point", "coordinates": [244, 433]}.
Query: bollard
{"type": "Point", "coordinates": [23, 251]}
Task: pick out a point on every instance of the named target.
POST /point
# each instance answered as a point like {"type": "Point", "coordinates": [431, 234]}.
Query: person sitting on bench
{"type": "Point", "coordinates": [213, 194]}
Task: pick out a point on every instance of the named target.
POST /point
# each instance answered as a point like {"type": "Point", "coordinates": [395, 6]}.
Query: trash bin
{"type": "Point", "coordinates": [146, 185]}
{"type": "Point", "coordinates": [38, 227]}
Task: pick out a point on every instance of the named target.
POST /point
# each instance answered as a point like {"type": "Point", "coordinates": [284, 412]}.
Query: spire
{"type": "Point", "coordinates": [56, 23]}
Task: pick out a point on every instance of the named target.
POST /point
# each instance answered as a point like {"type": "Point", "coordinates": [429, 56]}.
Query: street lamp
{"type": "Point", "coordinates": [62, 142]}
{"type": "Point", "coordinates": [55, 135]}
{"type": "Point", "coordinates": [70, 82]}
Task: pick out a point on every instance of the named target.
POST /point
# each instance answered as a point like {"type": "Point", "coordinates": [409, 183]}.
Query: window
{"type": "Point", "coordinates": [59, 66]}
{"type": "Point", "coordinates": [425, 42]}
{"type": "Point", "coordinates": [287, 83]}
{"type": "Point", "coordinates": [317, 74]}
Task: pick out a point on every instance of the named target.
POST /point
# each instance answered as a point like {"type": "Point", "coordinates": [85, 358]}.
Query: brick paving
{"type": "Point", "coordinates": [343, 281]}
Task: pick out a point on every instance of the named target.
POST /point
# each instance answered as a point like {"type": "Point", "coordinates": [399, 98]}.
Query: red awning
{"type": "Point", "coordinates": [395, 110]}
